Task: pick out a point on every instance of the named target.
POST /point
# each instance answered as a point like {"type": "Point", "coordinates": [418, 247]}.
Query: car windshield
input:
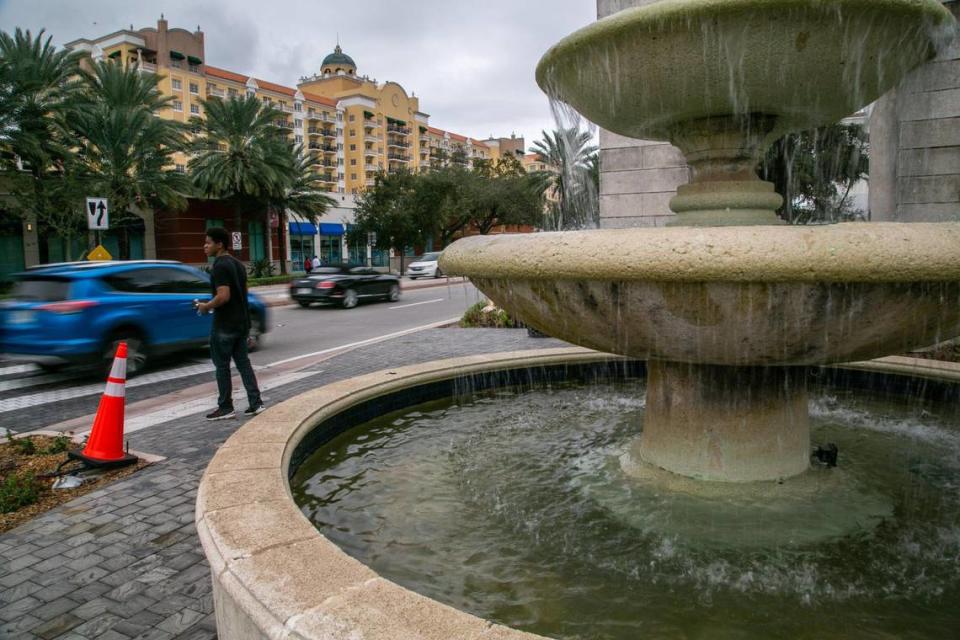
{"type": "Point", "coordinates": [41, 289]}
{"type": "Point", "coordinates": [430, 257]}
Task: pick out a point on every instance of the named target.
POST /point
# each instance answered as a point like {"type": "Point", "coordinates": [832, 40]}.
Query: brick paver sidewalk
{"type": "Point", "coordinates": [125, 562]}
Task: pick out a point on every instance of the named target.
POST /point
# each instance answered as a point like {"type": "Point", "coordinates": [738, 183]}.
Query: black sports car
{"type": "Point", "coordinates": [345, 285]}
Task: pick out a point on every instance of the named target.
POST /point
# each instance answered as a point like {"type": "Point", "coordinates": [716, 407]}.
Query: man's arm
{"type": "Point", "coordinates": [222, 298]}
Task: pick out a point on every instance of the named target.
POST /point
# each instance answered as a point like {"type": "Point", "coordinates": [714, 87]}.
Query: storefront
{"type": "Point", "coordinates": [302, 243]}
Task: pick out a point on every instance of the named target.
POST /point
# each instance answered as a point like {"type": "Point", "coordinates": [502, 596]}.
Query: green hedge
{"type": "Point", "coordinates": [259, 282]}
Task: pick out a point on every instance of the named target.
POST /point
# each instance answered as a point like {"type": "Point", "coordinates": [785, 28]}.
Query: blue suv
{"type": "Point", "coordinates": [76, 313]}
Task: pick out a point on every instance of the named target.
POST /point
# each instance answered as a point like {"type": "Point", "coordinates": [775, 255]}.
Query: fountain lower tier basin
{"type": "Point", "coordinates": [733, 296]}
{"type": "Point", "coordinates": [645, 72]}
{"type": "Point", "coordinates": [687, 570]}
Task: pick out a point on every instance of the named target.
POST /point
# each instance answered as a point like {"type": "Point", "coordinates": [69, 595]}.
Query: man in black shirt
{"type": "Point", "coordinates": [231, 325]}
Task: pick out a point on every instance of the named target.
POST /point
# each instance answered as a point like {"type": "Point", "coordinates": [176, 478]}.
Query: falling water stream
{"type": "Point", "coordinates": [514, 506]}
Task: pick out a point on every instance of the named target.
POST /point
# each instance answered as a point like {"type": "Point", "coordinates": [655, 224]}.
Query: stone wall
{"type": "Point", "coordinates": [637, 177]}
{"type": "Point", "coordinates": [915, 143]}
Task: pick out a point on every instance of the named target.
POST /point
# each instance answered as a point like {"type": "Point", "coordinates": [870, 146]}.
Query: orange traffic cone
{"type": "Point", "coordinates": [105, 443]}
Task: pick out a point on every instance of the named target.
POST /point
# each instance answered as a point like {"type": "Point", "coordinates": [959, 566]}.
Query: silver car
{"type": "Point", "coordinates": [425, 267]}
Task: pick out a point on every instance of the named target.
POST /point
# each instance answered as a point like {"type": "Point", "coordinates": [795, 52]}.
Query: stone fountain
{"type": "Point", "coordinates": [728, 306]}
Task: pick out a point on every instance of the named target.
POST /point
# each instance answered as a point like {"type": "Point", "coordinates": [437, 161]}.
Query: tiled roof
{"type": "Point", "coordinates": [312, 97]}
{"type": "Point", "coordinates": [226, 75]}
{"type": "Point", "coordinates": [216, 72]}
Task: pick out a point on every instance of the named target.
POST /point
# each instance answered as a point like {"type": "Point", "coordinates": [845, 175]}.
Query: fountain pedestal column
{"type": "Point", "coordinates": [728, 424]}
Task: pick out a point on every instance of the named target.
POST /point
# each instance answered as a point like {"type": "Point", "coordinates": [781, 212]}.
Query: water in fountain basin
{"type": "Point", "coordinates": [514, 506]}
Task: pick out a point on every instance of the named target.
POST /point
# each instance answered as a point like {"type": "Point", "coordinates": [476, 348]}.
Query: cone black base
{"type": "Point", "coordinates": [126, 460]}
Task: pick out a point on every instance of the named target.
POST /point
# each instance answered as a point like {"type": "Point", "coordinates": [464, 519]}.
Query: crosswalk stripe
{"type": "Point", "coordinates": [15, 369]}
{"type": "Point", "coordinates": [35, 381]}
{"type": "Point", "coordinates": [59, 395]}
{"type": "Point", "coordinates": [199, 405]}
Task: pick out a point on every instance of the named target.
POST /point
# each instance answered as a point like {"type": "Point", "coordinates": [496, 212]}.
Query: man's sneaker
{"type": "Point", "coordinates": [254, 410]}
{"type": "Point", "coordinates": [221, 414]}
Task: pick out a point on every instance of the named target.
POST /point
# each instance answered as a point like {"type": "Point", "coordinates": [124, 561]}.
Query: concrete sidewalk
{"type": "Point", "coordinates": [125, 562]}
{"type": "Point", "coordinates": [277, 295]}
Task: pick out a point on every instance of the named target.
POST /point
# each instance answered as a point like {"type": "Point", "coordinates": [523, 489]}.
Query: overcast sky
{"type": "Point", "coordinates": [471, 62]}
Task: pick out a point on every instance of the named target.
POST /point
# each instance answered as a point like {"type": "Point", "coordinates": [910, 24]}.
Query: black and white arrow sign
{"type": "Point", "coordinates": [98, 214]}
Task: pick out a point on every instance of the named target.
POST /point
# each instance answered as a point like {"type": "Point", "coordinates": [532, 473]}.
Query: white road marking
{"type": "Point", "coordinates": [58, 395]}
{"type": "Point", "coordinates": [35, 381]}
{"type": "Point", "coordinates": [414, 304]}
{"type": "Point", "coordinates": [191, 407]}
{"type": "Point", "coordinates": [432, 325]}
{"type": "Point", "coordinates": [18, 368]}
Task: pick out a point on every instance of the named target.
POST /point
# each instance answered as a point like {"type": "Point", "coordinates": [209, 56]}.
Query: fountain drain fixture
{"type": "Point", "coordinates": [826, 456]}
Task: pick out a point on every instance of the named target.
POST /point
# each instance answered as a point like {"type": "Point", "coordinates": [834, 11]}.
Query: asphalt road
{"type": "Point", "coordinates": [31, 399]}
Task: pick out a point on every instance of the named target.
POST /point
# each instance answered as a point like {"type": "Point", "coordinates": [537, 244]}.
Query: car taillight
{"type": "Point", "coordinates": [67, 307]}
{"type": "Point", "coordinates": [326, 284]}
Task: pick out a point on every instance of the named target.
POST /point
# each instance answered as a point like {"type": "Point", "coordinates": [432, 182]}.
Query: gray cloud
{"type": "Point", "coordinates": [471, 63]}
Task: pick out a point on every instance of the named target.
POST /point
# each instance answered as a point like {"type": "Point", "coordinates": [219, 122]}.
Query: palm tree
{"type": "Point", "coordinates": [240, 155]}
{"type": "Point", "coordinates": [303, 193]}
{"type": "Point", "coordinates": [125, 151]}
{"type": "Point", "coordinates": [36, 83]}
{"type": "Point", "coordinates": [570, 189]}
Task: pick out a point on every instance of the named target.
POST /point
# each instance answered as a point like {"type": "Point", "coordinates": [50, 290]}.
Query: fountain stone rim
{"type": "Point", "coordinates": [878, 252]}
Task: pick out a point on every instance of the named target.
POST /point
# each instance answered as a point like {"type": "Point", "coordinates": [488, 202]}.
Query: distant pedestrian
{"type": "Point", "coordinates": [231, 326]}
{"type": "Point", "coordinates": [316, 262]}
{"type": "Point", "coordinates": [307, 265]}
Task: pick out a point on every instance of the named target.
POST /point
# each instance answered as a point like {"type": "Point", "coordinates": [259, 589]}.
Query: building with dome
{"type": "Point", "coordinates": [354, 126]}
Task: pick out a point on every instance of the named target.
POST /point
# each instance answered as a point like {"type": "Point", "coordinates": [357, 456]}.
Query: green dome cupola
{"type": "Point", "coordinates": [338, 62]}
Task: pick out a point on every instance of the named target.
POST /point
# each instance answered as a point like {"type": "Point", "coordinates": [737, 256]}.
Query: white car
{"type": "Point", "coordinates": [425, 267]}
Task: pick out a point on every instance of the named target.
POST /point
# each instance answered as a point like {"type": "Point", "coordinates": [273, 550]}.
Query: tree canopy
{"type": "Point", "coordinates": [815, 171]}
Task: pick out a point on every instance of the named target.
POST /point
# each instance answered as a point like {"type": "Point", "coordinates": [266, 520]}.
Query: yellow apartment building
{"type": "Point", "coordinates": [354, 125]}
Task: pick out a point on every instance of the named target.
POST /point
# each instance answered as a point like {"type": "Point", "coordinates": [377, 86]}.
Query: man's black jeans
{"type": "Point", "coordinates": [224, 346]}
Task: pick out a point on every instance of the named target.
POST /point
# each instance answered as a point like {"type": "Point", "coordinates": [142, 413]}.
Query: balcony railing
{"type": "Point", "coordinates": [371, 167]}
{"type": "Point", "coordinates": [369, 138]}
{"type": "Point", "coordinates": [220, 93]}
{"type": "Point", "coordinates": [370, 182]}
{"type": "Point", "coordinates": [329, 133]}
{"type": "Point", "coordinates": [398, 143]}
{"type": "Point", "coordinates": [284, 124]}
{"type": "Point", "coordinates": [394, 157]}
{"type": "Point", "coordinates": [403, 131]}
{"type": "Point", "coordinates": [370, 123]}
{"type": "Point", "coordinates": [424, 142]}
{"type": "Point", "coordinates": [149, 67]}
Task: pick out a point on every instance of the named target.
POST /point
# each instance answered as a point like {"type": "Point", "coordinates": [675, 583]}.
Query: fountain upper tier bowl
{"type": "Point", "coordinates": [738, 296]}
{"type": "Point", "coordinates": [643, 71]}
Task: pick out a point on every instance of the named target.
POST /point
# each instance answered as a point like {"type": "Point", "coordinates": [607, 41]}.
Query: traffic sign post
{"type": "Point", "coordinates": [98, 214]}
{"type": "Point", "coordinates": [237, 238]}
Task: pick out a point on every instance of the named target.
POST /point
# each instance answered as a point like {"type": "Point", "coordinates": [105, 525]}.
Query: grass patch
{"type": "Point", "coordinates": [259, 282]}
{"type": "Point", "coordinates": [25, 492]}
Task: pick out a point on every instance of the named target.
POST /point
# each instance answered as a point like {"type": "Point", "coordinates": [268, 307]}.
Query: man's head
{"type": "Point", "coordinates": [216, 241]}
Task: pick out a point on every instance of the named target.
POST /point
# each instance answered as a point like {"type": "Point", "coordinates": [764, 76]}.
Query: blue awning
{"type": "Point", "coordinates": [303, 229]}
{"type": "Point", "coordinates": [331, 229]}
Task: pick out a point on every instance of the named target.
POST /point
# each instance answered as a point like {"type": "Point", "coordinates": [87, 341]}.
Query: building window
{"type": "Point", "coordinates": [298, 139]}
{"type": "Point", "coordinates": [194, 88]}
{"type": "Point", "coordinates": [353, 133]}
{"type": "Point", "coordinates": [340, 132]}
{"type": "Point", "coordinates": [352, 117]}
{"type": "Point", "coordinates": [340, 176]}
{"type": "Point", "coordinates": [251, 93]}
{"type": "Point", "coordinates": [195, 68]}
{"type": "Point", "coordinates": [340, 161]}
{"type": "Point", "coordinates": [339, 116]}
{"type": "Point", "coordinates": [195, 109]}
{"type": "Point", "coordinates": [353, 147]}
{"type": "Point", "coordinates": [353, 161]}
{"type": "Point", "coordinates": [176, 64]}
{"type": "Point", "coordinates": [232, 93]}
{"type": "Point", "coordinates": [180, 168]}
{"type": "Point", "coordinates": [339, 146]}
{"type": "Point", "coordinates": [297, 123]}
{"type": "Point", "coordinates": [353, 176]}
{"type": "Point", "coordinates": [177, 105]}
{"type": "Point", "coordinates": [176, 84]}
{"type": "Point", "coordinates": [298, 106]}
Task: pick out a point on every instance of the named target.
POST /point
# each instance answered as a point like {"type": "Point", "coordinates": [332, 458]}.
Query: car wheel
{"type": "Point", "coordinates": [394, 294]}
{"type": "Point", "coordinates": [52, 367]}
{"type": "Point", "coordinates": [413, 277]}
{"type": "Point", "coordinates": [350, 299]}
{"type": "Point", "coordinates": [255, 340]}
{"type": "Point", "coordinates": [303, 303]}
{"type": "Point", "coordinates": [136, 352]}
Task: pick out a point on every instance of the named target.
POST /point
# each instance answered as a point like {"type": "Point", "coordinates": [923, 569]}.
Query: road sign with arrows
{"type": "Point", "coordinates": [98, 214]}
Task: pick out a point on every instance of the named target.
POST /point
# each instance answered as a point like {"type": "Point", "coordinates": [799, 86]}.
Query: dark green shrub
{"type": "Point", "coordinates": [18, 490]}
{"type": "Point", "coordinates": [262, 268]}
{"type": "Point", "coordinates": [495, 318]}
{"type": "Point", "coordinates": [60, 444]}
{"type": "Point", "coordinates": [24, 445]}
